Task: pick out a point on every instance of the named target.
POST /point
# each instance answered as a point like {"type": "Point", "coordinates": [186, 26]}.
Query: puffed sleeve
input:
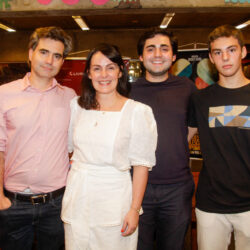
{"type": "Point", "coordinates": [143, 137]}
{"type": "Point", "coordinates": [73, 114]}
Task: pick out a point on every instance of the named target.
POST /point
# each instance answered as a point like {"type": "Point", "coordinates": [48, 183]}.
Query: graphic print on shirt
{"type": "Point", "coordinates": [229, 116]}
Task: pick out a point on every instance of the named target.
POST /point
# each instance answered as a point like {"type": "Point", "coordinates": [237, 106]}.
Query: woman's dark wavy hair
{"type": "Point", "coordinates": [87, 99]}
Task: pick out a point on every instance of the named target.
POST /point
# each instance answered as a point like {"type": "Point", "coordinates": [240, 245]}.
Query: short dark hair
{"type": "Point", "coordinates": [54, 33]}
{"type": "Point", "coordinates": [87, 99]}
{"type": "Point", "coordinates": [152, 33]}
{"type": "Point", "coordinates": [225, 31]}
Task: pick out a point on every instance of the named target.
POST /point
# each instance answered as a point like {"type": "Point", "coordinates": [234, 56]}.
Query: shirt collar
{"type": "Point", "coordinates": [26, 83]}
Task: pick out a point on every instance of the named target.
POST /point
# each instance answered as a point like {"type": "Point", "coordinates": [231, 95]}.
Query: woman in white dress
{"type": "Point", "coordinates": [108, 134]}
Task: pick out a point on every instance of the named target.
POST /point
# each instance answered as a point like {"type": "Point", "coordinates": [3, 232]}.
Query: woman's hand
{"type": "Point", "coordinates": [130, 222]}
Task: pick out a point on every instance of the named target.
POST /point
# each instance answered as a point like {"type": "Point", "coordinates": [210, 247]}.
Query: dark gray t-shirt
{"type": "Point", "coordinates": [169, 101]}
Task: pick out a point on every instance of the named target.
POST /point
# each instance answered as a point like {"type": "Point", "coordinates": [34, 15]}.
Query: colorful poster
{"type": "Point", "coordinates": [196, 65]}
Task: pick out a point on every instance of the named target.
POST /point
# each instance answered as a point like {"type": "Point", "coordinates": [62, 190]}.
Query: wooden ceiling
{"type": "Point", "coordinates": [124, 19]}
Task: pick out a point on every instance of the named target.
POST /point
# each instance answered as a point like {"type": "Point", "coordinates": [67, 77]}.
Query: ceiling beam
{"type": "Point", "coordinates": [89, 12]}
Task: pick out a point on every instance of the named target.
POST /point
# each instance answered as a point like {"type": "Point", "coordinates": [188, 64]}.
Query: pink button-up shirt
{"type": "Point", "coordinates": [33, 135]}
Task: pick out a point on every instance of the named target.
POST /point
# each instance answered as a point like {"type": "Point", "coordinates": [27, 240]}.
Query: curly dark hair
{"type": "Point", "coordinates": [87, 99]}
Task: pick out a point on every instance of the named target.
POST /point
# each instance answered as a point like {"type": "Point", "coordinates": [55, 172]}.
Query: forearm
{"type": "Point", "coordinates": [70, 155]}
{"type": "Point", "coordinates": [140, 178]}
{"type": "Point", "coordinates": [4, 201]}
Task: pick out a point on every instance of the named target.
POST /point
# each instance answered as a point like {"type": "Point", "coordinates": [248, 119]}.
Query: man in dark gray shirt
{"type": "Point", "coordinates": [168, 198]}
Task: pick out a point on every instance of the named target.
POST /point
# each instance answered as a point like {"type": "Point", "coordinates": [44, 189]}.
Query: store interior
{"type": "Point", "coordinates": [121, 26]}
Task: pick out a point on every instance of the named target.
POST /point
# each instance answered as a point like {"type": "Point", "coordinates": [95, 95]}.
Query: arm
{"type": "Point", "coordinates": [73, 109]}
{"type": "Point", "coordinates": [70, 155]}
{"type": "Point", "coordinates": [4, 201]}
{"type": "Point", "coordinates": [140, 178]}
{"type": "Point", "coordinates": [191, 133]}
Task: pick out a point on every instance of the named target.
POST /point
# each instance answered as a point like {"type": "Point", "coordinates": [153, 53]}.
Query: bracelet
{"type": "Point", "coordinates": [137, 210]}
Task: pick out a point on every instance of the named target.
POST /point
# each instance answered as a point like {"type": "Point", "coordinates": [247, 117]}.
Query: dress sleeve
{"type": "Point", "coordinates": [143, 137]}
{"type": "Point", "coordinates": [73, 113]}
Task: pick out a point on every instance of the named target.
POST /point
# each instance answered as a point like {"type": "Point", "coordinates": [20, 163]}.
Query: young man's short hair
{"type": "Point", "coordinates": [152, 33]}
{"type": "Point", "coordinates": [225, 31]}
{"type": "Point", "coordinates": [54, 33]}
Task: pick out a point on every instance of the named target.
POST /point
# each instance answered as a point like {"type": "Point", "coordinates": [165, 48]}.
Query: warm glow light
{"type": "Point", "coordinates": [4, 27]}
{"type": "Point", "coordinates": [243, 25]}
{"type": "Point", "coordinates": [166, 20]}
{"type": "Point", "coordinates": [80, 22]}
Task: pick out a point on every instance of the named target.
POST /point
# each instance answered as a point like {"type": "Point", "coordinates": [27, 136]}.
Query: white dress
{"type": "Point", "coordinates": [99, 191]}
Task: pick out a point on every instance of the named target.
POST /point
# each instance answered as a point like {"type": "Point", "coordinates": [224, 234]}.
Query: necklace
{"type": "Point", "coordinates": [115, 106]}
{"type": "Point", "coordinates": [96, 123]}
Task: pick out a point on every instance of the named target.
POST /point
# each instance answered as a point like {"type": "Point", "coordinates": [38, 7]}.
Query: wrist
{"type": "Point", "coordinates": [135, 209]}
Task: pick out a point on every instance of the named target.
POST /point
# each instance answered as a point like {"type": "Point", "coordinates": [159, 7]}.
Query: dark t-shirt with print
{"type": "Point", "coordinates": [223, 119]}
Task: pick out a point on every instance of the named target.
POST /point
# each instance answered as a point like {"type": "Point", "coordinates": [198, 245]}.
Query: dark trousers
{"type": "Point", "coordinates": [23, 221]}
{"type": "Point", "coordinates": [167, 214]}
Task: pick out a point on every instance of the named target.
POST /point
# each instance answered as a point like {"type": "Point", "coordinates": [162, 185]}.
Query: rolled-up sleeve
{"type": "Point", "coordinates": [144, 137]}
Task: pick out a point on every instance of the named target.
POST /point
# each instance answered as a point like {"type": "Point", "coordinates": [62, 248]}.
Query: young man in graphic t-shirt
{"type": "Point", "coordinates": [222, 113]}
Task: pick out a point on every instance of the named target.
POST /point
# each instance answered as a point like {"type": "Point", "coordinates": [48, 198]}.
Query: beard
{"type": "Point", "coordinates": [157, 73]}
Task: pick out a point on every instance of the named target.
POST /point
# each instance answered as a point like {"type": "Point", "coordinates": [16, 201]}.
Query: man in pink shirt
{"type": "Point", "coordinates": [34, 119]}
